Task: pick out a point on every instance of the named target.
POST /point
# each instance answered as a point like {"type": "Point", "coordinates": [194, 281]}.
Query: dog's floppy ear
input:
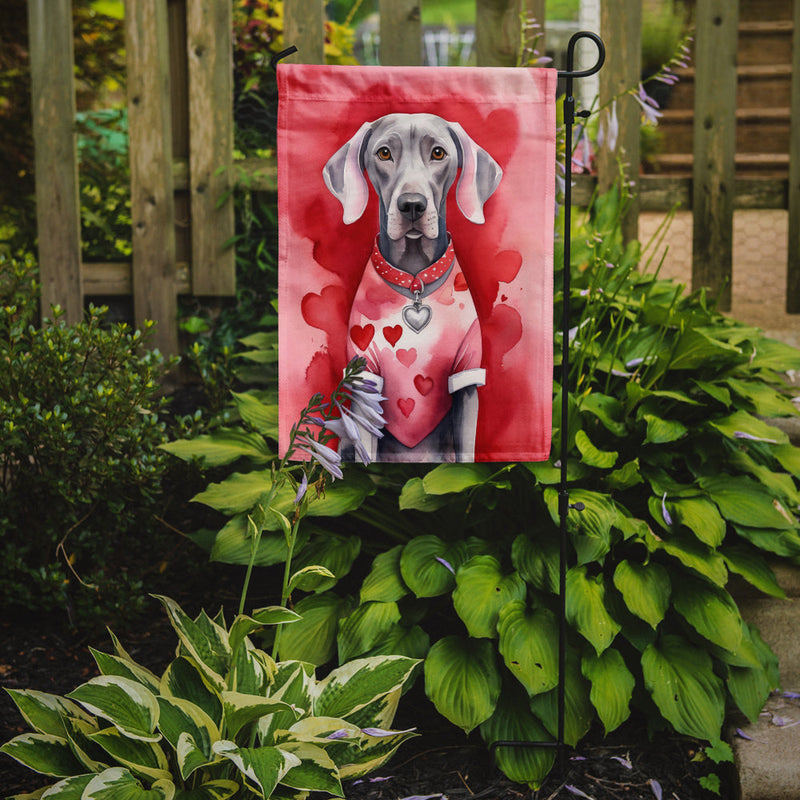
{"type": "Point", "coordinates": [344, 176]}
{"type": "Point", "coordinates": [480, 175]}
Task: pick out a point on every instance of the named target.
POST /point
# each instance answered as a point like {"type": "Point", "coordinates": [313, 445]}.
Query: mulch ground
{"type": "Point", "coordinates": [44, 654]}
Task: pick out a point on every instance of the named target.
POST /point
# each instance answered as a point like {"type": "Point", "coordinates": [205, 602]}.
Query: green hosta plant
{"type": "Point", "coordinates": [224, 720]}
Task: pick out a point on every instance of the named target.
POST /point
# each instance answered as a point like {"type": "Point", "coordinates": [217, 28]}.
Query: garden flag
{"type": "Point", "coordinates": [416, 215]}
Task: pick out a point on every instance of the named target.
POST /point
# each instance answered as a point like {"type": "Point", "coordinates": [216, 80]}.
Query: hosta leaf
{"type": "Point", "coordinates": [449, 478]}
{"type": "Point", "coordinates": [608, 410]}
{"type": "Point", "coordinates": [578, 710]}
{"type": "Point", "coordinates": [692, 553]}
{"type": "Point", "coordinates": [316, 771]}
{"type": "Point", "coordinates": [746, 561]}
{"type": "Point", "coordinates": [591, 455]}
{"type": "Point", "coordinates": [263, 766]}
{"type": "Point", "coordinates": [125, 668]}
{"type": "Point", "coordinates": [126, 704]}
{"type": "Point", "coordinates": [145, 759]}
{"type": "Point", "coordinates": [513, 721]}
{"type": "Point", "coordinates": [399, 640]}
{"type": "Point", "coordinates": [696, 349]}
{"type": "Point", "coordinates": [663, 431]}
{"type": "Point", "coordinates": [780, 542]}
{"type": "Point", "coordinates": [767, 401]}
{"type": "Point", "coordinates": [183, 679]}
{"type": "Point", "coordinates": [244, 625]}
{"type": "Point", "coordinates": [44, 712]}
{"type": "Point", "coordinates": [749, 688]}
{"type": "Point", "coordinates": [716, 391]}
{"type": "Point", "coordinates": [334, 553]}
{"type": "Point", "coordinates": [190, 756]}
{"type": "Point", "coordinates": [788, 456]}
{"type": "Point", "coordinates": [259, 415]}
{"type": "Point", "coordinates": [242, 709]}
{"type": "Point", "coordinates": [529, 645]}
{"type": "Point", "coordinates": [385, 582]}
{"type": "Point", "coordinates": [646, 589]}
{"type": "Point", "coordinates": [44, 753]}
{"type": "Point", "coordinates": [413, 496]}
{"type": "Point", "coordinates": [462, 680]}
{"type": "Point", "coordinates": [625, 477]}
{"type": "Point", "coordinates": [481, 591]}
{"type": "Point", "coordinates": [212, 790]}
{"type": "Point", "coordinates": [237, 493]}
{"type": "Point", "coordinates": [294, 685]}
{"type": "Point", "coordinates": [597, 517]}
{"type": "Point", "coordinates": [68, 789]}
{"type": "Point", "coordinates": [223, 446]}
{"type": "Point", "coordinates": [537, 561]}
{"type": "Point", "coordinates": [683, 685]}
{"type": "Point", "coordinates": [745, 502]}
{"type": "Point", "coordinates": [313, 638]}
{"type": "Point", "coordinates": [179, 717]}
{"type": "Point", "coordinates": [709, 609]}
{"type": "Point", "coordinates": [701, 517]}
{"type": "Point", "coordinates": [774, 355]}
{"type": "Point", "coordinates": [234, 545]}
{"type": "Point", "coordinates": [368, 753]}
{"type": "Point", "coordinates": [118, 784]}
{"type": "Point", "coordinates": [612, 687]}
{"type": "Point", "coordinates": [740, 422]}
{"type": "Point", "coordinates": [358, 683]}
{"type": "Point", "coordinates": [586, 608]}
{"type": "Point", "coordinates": [364, 628]}
{"type": "Point", "coordinates": [424, 565]}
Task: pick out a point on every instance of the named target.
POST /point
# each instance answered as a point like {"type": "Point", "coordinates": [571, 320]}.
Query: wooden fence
{"type": "Point", "coordinates": [181, 141]}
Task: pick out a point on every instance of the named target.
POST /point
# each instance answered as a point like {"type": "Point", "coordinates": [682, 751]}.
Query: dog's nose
{"type": "Point", "coordinates": [412, 205]}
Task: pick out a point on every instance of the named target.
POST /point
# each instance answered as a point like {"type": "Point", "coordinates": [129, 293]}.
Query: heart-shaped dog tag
{"type": "Point", "coordinates": [417, 317]}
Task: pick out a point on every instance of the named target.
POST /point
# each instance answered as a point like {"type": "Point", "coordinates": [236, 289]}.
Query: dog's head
{"type": "Point", "coordinates": [412, 160]}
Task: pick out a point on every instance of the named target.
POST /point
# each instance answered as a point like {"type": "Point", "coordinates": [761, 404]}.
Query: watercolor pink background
{"type": "Point", "coordinates": [507, 261]}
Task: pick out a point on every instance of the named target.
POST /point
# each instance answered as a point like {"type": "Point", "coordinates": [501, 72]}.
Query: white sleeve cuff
{"type": "Point", "coordinates": [467, 377]}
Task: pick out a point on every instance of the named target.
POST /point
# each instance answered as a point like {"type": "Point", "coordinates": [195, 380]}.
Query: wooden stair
{"type": "Point", "coordinates": [764, 58]}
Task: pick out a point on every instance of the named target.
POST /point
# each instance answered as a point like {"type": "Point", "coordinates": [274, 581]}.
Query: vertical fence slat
{"type": "Point", "coordinates": [152, 202]}
{"type": "Point", "coordinates": [304, 27]}
{"type": "Point", "coordinates": [793, 267]}
{"type": "Point", "coordinates": [401, 33]}
{"type": "Point", "coordinates": [497, 32]}
{"type": "Point", "coordinates": [713, 190]}
{"type": "Point", "coordinates": [210, 54]}
{"type": "Point", "coordinates": [56, 164]}
{"type": "Point", "coordinates": [621, 27]}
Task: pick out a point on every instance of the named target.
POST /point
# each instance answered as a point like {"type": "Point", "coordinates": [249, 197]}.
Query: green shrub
{"type": "Point", "coordinates": [79, 428]}
{"type": "Point", "coordinates": [223, 720]}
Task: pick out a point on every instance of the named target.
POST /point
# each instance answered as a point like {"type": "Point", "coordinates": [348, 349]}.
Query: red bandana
{"type": "Point", "coordinates": [414, 283]}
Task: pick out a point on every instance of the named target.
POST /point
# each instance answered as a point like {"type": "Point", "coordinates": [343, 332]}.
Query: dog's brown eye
{"type": "Point", "coordinates": [385, 154]}
{"type": "Point", "coordinates": [438, 153]}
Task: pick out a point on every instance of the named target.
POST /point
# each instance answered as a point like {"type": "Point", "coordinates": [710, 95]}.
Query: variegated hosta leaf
{"type": "Point", "coordinates": [683, 685]}
{"type": "Point", "coordinates": [513, 721]}
{"type": "Point", "coordinates": [646, 589]}
{"type": "Point", "coordinates": [365, 628]}
{"type": "Point", "coordinates": [316, 771]}
{"type": "Point", "coordinates": [179, 718]}
{"type": "Point", "coordinates": [529, 645]}
{"type": "Point", "coordinates": [44, 753]}
{"type": "Point", "coordinates": [262, 766]}
{"type": "Point", "coordinates": [78, 733]}
{"type": "Point", "coordinates": [68, 789]}
{"type": "Point", "coordinates": [462, 680]}
{"type": "Point", "coordinates": [358, 683]}
{"type": "Point", "coordinates": [373, 753]}
{"type": "Point", "coordinates": [612, 686]}
{"type": "Point", "coordinates": [126, 704]}
{"type": "Point", "coordinates": [586, 608]}
{"type": "Point", "coordinates": [117, 783]}
{"type": "Point", "coordinates": [183, 679]}
{"type": "Point", "coordinates": [710, 610]}
{"type": "Point", "coordinates": [252, 670]}
{"type": "Point", "coordinates": [244, 625]}
{"type": "Point", "coordinates": [125, 668]}
{"type": "Point", "coordinates": [45, 712]}
{"type": "Point", "coordinates": [204, 641]}
{"type": "Point", "coordinates": [385, 581]}
{"type": "Point", "coordinates": [145, 759]}
{"type": "Point", "coordinates": [481, 591]}
{"type": "Point", "coordinates": [242, 709]}
{"type": "Point", "coordinates": [212, 790]}
{"type": "Point", "coordinates": [294, 685]}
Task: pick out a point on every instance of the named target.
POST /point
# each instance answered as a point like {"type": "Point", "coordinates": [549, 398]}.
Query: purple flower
{"type": "Point", "coordinates": [326, 457]}
{"type": "Point", "coordinates": [624, 761]}
{"type": "Point", "coordinates": [342, 733]}
{"type": "Point", "coordinates": [792, 695]}
{"type": "Point", "coordinates": [447, 564]}
{"type": "Point", "coordinates": [301, 489]}
{"type": "Point", "coordinates": [655, 786]}
{"type": "Point", "coordinates": [664, 512]}
{"type": "Point", "coordinates": [380, 732]}
{"type": "Point", "coordinates": [742, 735]}
{"type": "Point", "coordinates": [608, 131]}
{"type": "Point", "coordinates": [751, 437]}
{"type": "Point", "coordinates": [577, 792]}
{"type": "Point", "coordinates": [648, 105]}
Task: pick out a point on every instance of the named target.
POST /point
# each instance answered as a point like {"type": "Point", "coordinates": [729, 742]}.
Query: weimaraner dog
{"type": "Point", "coordinates": [413, 317]}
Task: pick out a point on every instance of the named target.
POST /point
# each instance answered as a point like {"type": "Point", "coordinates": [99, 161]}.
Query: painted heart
{"type": "Point", "coordinates": [406, 406]}
{"type": "Point", "coordinates": [326, 310]}
{"type": "Point", "coordinates": [423, 384]}
{"type": "Point", "coordinates": [407, 357]}
{"type": "Point", "coordinates": [417, 318]}
{"type": "Point", "coordinates": [392, 334]}
{"type": "Point", "coordinates": [460, 283]}
{"type": "Point", "coordinates": [362, 336]}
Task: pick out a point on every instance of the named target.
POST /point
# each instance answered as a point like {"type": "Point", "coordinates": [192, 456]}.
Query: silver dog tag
{"type": "Point", "coordinates": [417, 316]}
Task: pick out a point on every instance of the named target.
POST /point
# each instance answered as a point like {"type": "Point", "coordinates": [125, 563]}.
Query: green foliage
{"type": "Point", "coordinates": [79, 429]}
{"type": "Point", "coordinates": [222, 718]}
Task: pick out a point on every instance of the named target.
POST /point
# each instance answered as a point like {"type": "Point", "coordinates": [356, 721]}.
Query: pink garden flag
{"type": "Point", "coordinates": [416, 212]}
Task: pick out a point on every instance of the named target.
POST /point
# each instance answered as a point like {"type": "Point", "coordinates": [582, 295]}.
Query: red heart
{"type": "Point", "coordinates": [407, 357]}
{"type": "Point", "coordinates": [392, 335]}
{"type": "Point", "coordinates": [406, 406]}
{"type": "Point", "coordinates": [362, 336]}
{"type": "Point", "coordinates": [423, 384]}
{"type": "Point", "coordinates": [326, 310]}
{"type": "Point", "coordinates": [460, 283]}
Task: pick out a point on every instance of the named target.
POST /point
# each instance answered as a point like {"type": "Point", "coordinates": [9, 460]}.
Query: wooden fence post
{"type": "Point", "coordinates": [152, 201]}
{"type": "Point", "coordinates": [498, 29]}
{"type": "Point", "coordinates": [304, 27]}
{"type": "Point", "coordinates": [56, 161]}
{"type": "Point", "coordinates": [210, 54]}
{"type": "Point", "coordinates": [793, 266]}
{"type": "Point", "coordinates": [621, 28]}
{"type": "Point", "coordinates": [401, 33]}
{"type": "Point", "coordinates": [714, 189]}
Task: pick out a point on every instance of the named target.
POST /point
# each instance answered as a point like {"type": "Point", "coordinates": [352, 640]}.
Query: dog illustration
{"type": "Point", "coordinates": [413, 317]}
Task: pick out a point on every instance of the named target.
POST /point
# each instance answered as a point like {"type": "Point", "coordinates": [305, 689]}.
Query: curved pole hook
{"type": "Point", "coordinates": [570, 72]}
